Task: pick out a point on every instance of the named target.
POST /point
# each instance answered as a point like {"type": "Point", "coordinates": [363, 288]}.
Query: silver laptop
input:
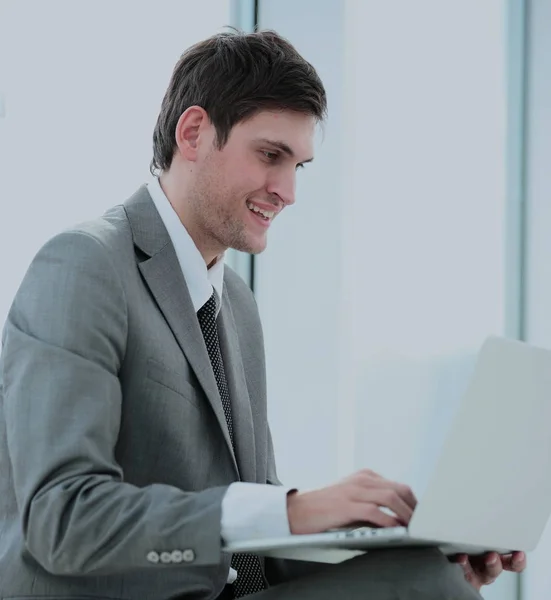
{"type": "Point", "coordinates": [491, 487]}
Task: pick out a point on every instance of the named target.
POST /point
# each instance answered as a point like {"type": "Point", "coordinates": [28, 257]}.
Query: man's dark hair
{"type": "Point", "coordinates": [233, 76]}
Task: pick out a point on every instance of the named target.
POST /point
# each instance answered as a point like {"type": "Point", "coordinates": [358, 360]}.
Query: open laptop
{"type": "Point", "coordinates": [491, 487]}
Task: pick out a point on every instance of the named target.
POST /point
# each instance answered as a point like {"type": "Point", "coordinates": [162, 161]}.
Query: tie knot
{"type": "Point", "coordinates": [207, 312]}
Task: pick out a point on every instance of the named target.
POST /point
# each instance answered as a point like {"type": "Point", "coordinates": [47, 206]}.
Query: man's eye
{"type": "Point", "coordinates": [271, 156]}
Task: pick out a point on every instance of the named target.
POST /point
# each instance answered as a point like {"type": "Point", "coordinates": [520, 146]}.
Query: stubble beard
{"type": "Point", "coordinates": [214, 207]}
{"type": "Point", "coordinates": [221, 228]}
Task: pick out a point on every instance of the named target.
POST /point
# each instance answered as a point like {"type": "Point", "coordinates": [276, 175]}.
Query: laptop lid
{"type": "Point", "coordinates": [491, 487]}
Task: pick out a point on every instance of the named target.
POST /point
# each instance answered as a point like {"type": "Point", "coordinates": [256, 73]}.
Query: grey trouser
{"type": "Point", "coordinates": [408, 574]}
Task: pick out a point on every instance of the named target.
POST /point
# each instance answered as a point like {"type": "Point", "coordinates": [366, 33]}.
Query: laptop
{"type": "Point", "coordinates": [491, 486]}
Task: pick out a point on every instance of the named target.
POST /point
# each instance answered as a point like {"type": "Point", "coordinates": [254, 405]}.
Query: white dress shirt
{"type": "Point", "coordinates": [266, 514]}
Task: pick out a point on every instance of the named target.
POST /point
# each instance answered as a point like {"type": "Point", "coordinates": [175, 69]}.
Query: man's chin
{"type": "Point", "coordinates": [256, 246]}
{"type": "Point", "coordinates": [259, 247]}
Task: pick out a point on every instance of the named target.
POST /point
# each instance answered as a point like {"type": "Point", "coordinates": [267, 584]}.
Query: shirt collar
{"type": "Point", "coordinates": [200, 280]}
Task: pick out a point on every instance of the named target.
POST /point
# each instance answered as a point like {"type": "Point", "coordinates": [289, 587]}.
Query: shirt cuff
{"type": "Point", "coordinates": [254, 511]}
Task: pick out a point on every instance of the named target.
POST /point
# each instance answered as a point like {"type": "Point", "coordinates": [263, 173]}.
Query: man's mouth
{"type": "Point", "coordinates": [268, 215]}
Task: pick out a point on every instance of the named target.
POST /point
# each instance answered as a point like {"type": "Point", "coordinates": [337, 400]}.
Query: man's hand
{"type": "Point", "coordinates": [357, 499]}
{"type": "Point", "coordinates": [483, 570]}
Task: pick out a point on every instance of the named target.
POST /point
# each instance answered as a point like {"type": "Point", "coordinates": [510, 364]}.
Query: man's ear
{"type": "Point", "coordinates": [193, 123]}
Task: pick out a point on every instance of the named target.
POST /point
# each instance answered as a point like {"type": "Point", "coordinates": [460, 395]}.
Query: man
{"type": "Point", "coordinates": [133, 436]}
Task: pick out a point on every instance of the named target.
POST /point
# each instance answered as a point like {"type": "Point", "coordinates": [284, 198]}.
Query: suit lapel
{"type": "Point", "coordinates": [163, 276]}
{"type": "Point", "coordinates": [239, 394]}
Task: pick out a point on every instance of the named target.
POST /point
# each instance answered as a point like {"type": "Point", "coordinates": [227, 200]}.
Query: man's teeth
{"type": "Point", "coordinates": [268, 214]}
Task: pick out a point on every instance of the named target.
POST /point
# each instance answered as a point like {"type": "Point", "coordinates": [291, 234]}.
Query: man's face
{"type": "Point", "coordinates": [240, 189]}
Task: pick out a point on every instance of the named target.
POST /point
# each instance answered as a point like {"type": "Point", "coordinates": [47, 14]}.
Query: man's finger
{"type": "Point", "coordinates": [369, 513]}
{"type": "Point", "coordinates": [488, 568]}
{"type": "Point", "coordinates": [388, 498]}
{"type": "Point", "coordinates": [407, 494]}
{"type": "Point", "coordinates": [515, 562]}
{"type": "Point", "coordinates": [507, 561]}
{"type": "Point", "coordinates": [465, 564]}
{"type": "Point", "coordinates": [403, 491]}
{"type": "Point", "coordinates": [368, 479]}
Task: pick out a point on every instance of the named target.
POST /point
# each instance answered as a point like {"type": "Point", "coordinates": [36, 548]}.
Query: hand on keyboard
{"type": "Point", "coordinates": [364, 498]}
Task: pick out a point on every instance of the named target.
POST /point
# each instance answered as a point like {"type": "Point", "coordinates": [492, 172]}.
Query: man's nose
{"type": "Point", "coordinates": [284, 188]}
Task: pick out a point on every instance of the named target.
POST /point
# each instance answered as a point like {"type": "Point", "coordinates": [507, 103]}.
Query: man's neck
{"type": "Point", "coordinates": [170, 189]}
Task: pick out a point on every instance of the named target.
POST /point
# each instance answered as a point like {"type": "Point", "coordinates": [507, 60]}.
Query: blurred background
{"type": "Point", "coordinates": [423, 225]}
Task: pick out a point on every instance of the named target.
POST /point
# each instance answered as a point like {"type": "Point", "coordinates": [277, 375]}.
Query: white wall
{"type": "Point", "coordinates": [537, 582]}
{"type": "Point", "coordinates": [425, 209]}
{"type": "Point", "coordinates": [381, 282]}
{"type": "Point", "coordinates": [82, 83]}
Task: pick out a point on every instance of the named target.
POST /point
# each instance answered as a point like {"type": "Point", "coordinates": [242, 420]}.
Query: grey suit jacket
{"type": "Point", "coordinates": [114, 450]}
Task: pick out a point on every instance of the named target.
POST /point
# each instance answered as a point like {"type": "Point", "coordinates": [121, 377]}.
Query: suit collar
{"type": "Point", "coordinates": [164, 278]}
{"type": "Point", "coordinates": [148, 230]}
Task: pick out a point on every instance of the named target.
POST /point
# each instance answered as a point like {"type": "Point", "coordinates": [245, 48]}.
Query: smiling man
{"type": "Point", "coordinates": [134, 438]}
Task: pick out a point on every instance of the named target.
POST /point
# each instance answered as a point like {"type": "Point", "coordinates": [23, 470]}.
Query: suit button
{"type": "Point", "coordinates": [166, 557]}
{"type": "Point", "coordinates": [188, 556]}
{"type": "Point", "coordinates": [153, 557]}
{"type": "Point", "coordinates": [177, 556]}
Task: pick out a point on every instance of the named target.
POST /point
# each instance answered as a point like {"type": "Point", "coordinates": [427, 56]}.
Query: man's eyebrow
{"type": "Point", "coordinates": [285, 148]}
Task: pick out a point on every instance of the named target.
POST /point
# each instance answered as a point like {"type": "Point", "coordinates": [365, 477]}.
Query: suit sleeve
{"type": "Point", "coordinates": [63, 345]}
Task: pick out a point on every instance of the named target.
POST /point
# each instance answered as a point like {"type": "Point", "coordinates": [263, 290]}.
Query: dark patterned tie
{"type": "Point", "coordinates": [249, 571]}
